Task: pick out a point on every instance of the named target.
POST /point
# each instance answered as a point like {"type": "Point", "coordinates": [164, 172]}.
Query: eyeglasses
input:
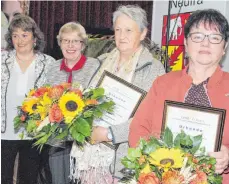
{"type": "Point", "coordinates": [212, 38]}
{"type": "Point", "coordinates": [73, 42]}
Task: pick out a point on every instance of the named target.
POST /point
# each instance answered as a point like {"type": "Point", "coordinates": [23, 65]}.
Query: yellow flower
{"type": "Point", "coordinates": [44, 106]}
{"type": "Point", "coordinates": [71, 105]}
{"type": "Point", "coordinates": [31, 93]}
{"type": "Point", "coordinates": [146, 169]}
{"type": "Point", "coordinates": [30, 105]}
{"type": "Point", "coordinates": [167, 158]}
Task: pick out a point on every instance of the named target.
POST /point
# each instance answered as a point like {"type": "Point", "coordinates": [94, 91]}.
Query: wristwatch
{"type": "Point", "coordinates": [109, 134]}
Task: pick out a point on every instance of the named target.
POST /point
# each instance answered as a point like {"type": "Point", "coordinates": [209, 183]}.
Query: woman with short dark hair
{"type": "Point", "coordinates": [24, 67]}
{"type": "Point", "coordinates": [202, 82]}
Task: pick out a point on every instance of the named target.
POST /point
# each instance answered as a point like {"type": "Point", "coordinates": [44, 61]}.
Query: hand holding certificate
{"type": "Point", "coordinates": [126, 96]}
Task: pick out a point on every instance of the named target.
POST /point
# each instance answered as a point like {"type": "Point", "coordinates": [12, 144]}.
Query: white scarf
{"type": "Point", "coordinates": [91, 165]}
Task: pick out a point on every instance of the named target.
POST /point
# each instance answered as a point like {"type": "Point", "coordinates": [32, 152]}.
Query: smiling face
{"type": "Point", "coordinates": [127, 34]}
{"type": "Point", "coordinates": [71, 46]}
{"type": "Point", "coordinates": [23, 41]}
{"type": "Point", "coordinates": [205, 53]}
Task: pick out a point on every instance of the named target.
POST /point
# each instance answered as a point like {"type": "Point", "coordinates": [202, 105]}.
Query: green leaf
{"type": "Point", "coordinates": [97, 93]}
{"type": "Point", "coordinates": [168, 137]}
{"type": "Point", "coordinates": [98, 113]}
{"type": "Point", "coordinates": [88, 114]}
{"type": "Point", "coordinates": [196, 143]}
{"type": "Point", "coordinates": [31, 126]}
{"type": "Point", "coordinates": [53, 128]}
{"type": "Point", "coordinates": [215, 179]}
{"type": "Point", "coordinates": [39, 135]}
{"type": "Point", "coordinates": [177, 141]}
{"type": "Point", "coordinates": [17, 122]}
{"type": "Point", "coordinates": [149, 148]}
{"type": "Point", "coordinates": [142, 143]}
{"type": "Point", "coordinates": [133, 153]}
{"type": "Point", "coordinates": [21, 135]}
{"type": "Point", "coordinates": [83, 127]}
{"type": "Point", "coordinates": [128, 164]}
{"type": "Point", "coordinates": [62, 135]}
{"type": "Point", "coordinates": [107, 106]}
{"type": "Point", "coordinates": [78, 137]}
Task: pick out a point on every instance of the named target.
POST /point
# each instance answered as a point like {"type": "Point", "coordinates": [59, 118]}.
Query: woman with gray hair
{"type": "Point", "coordinates": [73, 67]}
{"type": "Point", "coordinates": [24, 67]}
{"type": "Point", "coordinates": [133, 62]}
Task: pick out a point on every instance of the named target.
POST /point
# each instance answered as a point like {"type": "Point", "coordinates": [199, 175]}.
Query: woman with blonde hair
{"type": "Point", "coordinates": [74, 67]}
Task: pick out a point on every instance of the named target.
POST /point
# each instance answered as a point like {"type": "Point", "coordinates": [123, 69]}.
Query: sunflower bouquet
{"type": "Point", "coordinates": [61, 112]}
{"type": "Point", "coordinates": [169, 160]}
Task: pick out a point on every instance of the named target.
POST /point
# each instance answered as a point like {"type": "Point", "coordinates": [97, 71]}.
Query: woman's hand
{"type": "Point", "coordinates": [99, 134]}
{"type": "Point", "coordinates": [222, 159]}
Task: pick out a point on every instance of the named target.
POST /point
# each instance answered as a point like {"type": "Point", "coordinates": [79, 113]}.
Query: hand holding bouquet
{"type": "Point", "coordinates": [61, 112]}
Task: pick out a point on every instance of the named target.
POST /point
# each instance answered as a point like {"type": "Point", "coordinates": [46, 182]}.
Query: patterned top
{"type": "Point", "coordinates": [197, 95]}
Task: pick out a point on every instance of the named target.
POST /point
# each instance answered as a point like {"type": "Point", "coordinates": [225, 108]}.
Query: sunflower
{"type": "Point", "coordinates": [167, 158]}
{"type": "Point", "coordinates": [71, 105]}
{"type": "Point", "coordinates": [44, 106]}
{"type": "Point", "coordinates": [30, 105]}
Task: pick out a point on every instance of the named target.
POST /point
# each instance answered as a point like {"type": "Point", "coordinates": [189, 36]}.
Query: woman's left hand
{"type": "Point", "coordinates": [222, 159]}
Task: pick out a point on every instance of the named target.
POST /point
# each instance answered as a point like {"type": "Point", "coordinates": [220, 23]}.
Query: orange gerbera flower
{"type": "Point", "coordinates": [41, 91]}
{"type": "Point", "coordinates": [66, 85]}
{"type": "Point", "coordinates": [172, 177]}
{"type": "Point", "coordinates": [150, 178]}
{"type": "Point", "coordinates": [56, 92]}
{"type": "Point", "coordinates": [201, 178]}
{"type": "Point", "coordinates": [55, 114]}
{"type": "Point", "coordinates": [91, 102]}
{"type": "Point", "coordinates": [77, 91]}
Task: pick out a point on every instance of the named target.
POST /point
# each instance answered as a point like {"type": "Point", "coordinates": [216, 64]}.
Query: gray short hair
{"type": "Point", "coordinates": [73, 27]}
{"type": "Point", "coordinates": [135, 12]}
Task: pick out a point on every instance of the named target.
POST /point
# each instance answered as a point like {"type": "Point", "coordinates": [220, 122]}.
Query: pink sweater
{"type": "Point", "coordinates": [173, 86]}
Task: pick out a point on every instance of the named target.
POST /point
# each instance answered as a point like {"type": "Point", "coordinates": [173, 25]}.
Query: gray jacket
{"type": "Point", "coordinates": [8, 58]}
{"type": "Point", "coordinates": [147, 70]}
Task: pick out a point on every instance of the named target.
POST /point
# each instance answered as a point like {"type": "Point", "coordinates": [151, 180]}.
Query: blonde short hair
{"type": "Point", "coordinates": [73, 27]}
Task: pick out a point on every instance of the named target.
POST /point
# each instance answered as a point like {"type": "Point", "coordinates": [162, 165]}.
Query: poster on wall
{"type": "Point", "coordinates": [176, 49]}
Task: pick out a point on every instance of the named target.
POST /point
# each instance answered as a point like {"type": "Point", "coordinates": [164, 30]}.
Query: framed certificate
{"type": "Point", "coordinates": [195, 120]}
{"type": "Point", "coordinates": [126, 96]}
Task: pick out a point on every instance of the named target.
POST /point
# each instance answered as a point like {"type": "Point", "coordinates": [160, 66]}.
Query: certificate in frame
{"type": "Point", "coordinates": [126, 96]}
{"type": "Point", "coordinates": [195, 120]}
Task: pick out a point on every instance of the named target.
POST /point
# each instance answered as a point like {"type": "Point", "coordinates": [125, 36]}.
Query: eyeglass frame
{"type": "Point", "coordinates": [77, 42]}
{"type": "Point", "coordinates": [205, 35]}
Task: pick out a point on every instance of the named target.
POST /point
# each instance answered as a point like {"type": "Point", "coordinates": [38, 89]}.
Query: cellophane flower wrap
{"type": "Point", "coordinates": [61, 112]}
{"type": "Point", "coordinates": [170, 160]}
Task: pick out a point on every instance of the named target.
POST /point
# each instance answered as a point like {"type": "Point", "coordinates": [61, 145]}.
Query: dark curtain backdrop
{"type": "Point", "coordinates": [95, 16]}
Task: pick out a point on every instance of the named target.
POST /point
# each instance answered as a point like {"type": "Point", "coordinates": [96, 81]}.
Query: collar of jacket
{"type": "Point", "coordinates": [214, 80]}
{"type": "Point", "coordinates": [39, 63]}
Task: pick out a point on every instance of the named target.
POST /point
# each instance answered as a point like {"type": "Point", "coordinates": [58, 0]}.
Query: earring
{"type": "Point", "coordinates": [34, 44]}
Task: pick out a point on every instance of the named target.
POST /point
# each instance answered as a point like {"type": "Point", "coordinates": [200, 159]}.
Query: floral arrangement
{"type": "Point", "coordinates": [61, 112]}
{"type": "Point", "coordinates": [170, 160]}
